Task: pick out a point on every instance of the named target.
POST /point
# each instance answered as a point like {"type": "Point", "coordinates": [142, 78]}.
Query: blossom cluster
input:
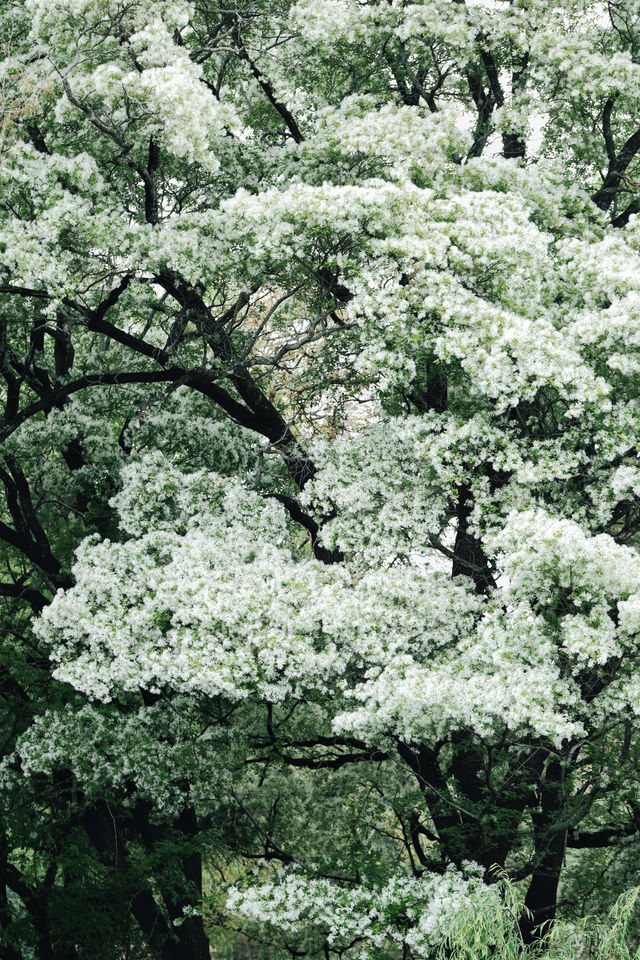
{"type": "Point", "coordinates": [409, 912]}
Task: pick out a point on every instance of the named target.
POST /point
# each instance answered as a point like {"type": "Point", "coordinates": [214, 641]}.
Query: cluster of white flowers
{"type": "Point", "coordinates": [183, 427]}
{"type": "Point", "coordinates": [207, 597]}
{"type": "Point", "coordinates": [575, 57]}
{"type": "Point", "coordinates": [586, 587]}
{"type": "Point", "coordinates": [503, 676]}
{"type": "Point", "coordinates": [322, 22]}
{"type": "Point", "coordinates": [359, 139]}
{"type": "Point", "coordinates": [403, 912]}
{"type": "Point", "coordinates": [394, 484]}
{"type": "Point", "coordinates": [64, 194]}
{"type": "Point", "coordinates": [540, 554]}
{"type": "Point", "coordinates": [164, 87]}
{"type": "Point", "coordinates": [51, 18]}
{"type": "Point", "coordinates": [484, 294]}
{"type": "Point", "coordinates": [145, 754]}
{"type": "Point", "coordinates": [181, 111]}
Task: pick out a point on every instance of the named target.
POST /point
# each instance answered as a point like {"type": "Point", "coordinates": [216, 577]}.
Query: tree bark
{"type": "Point", "coordinates": [550, 844]}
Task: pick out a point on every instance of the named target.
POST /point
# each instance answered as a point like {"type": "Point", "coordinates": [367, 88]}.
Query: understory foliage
{"type": "Point", "coordinates": [320, 526]}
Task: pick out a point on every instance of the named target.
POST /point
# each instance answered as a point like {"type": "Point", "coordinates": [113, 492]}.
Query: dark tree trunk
{"type": "Point", "coordinates": [193, 942]}
{"type": "Point", "coordinates": [7, 951]}
{"type": "Point", "coordinates": [550, 844]}
{"type": "Point", "coordinates": [102, 830]}
{"type": "Point", "coordinates": [470, 558]}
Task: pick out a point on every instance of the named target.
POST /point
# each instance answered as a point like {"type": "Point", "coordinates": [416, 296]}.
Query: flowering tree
{"type": "Point", "coordinates": [319, 371]}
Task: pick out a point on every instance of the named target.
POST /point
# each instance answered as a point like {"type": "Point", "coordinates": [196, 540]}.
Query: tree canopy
{"type": "Point", "coordinates": [320, 526]}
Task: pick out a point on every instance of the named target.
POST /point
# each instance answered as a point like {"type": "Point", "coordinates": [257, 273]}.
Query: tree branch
{"type": "Point", "coordinates": [286, 115]}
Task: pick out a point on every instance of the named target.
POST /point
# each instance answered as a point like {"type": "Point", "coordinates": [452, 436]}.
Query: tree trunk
{"type": "Point", "coordinates": [550, 843]}
{"type": "Point", "coordinates": [470, 558]}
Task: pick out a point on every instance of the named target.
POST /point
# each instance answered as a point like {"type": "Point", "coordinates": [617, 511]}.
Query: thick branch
{"type": "Point", "coordinates": [286, 115]}
{"type": "Point", "coordinates": [19, 591]}
{"type": "Point", "coordinates": [592, 839]}
{"type": "Point", "coordinates": [82, 383]}
{"type": "Point", "coordinates": [618, 163]}
{"type": "Point", "coordinates": [297, 514]}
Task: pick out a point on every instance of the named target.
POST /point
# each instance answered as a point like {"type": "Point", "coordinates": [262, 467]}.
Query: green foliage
{"type": "Point", "coordinates": [495, 935]}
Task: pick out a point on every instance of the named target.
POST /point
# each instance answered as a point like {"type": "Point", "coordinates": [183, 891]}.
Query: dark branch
{"type": "Point", "coordinates": [286, 115]}
{"type": "Point", "coordinates": [19, 591]}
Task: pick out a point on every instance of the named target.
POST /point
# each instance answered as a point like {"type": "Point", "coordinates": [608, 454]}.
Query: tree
{"type": "Point", "coordinates": [319, 355]}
